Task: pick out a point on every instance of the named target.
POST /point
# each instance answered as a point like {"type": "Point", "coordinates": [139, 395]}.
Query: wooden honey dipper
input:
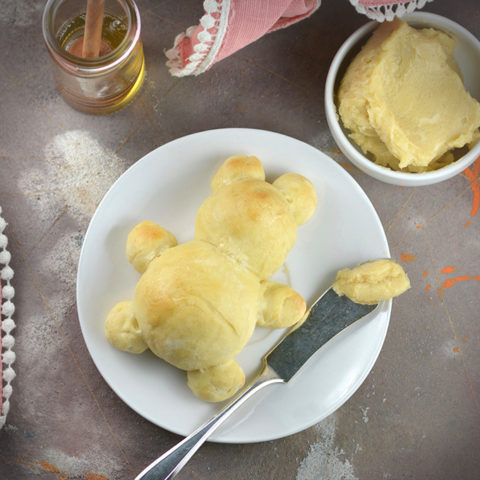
{"type": "Point", "coordinates": [91, 44]}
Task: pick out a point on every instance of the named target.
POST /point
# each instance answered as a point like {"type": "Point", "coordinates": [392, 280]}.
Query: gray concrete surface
{"type": "Point", "coordinates": [416, 416]}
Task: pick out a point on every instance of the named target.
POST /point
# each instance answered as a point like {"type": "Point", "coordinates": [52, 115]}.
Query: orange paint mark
{"type": "Point", "coordinates": [449, 282]}
{"type": "Point", "coordinates": [465, 339]}
{"type": "Point", "coordinates": [419, 226]}
{"type": "Point", "coordinates": [456, 349]}
{"type": "Point", "coordinates": [48, 467]}
{"type": "Point", "coordinates": [466, 224]}
{"type": "Point", "coordinates": [36, 465]}
{"type": "Point", "coordinates": [448, 269]}
{"type": "Point", "coordinates": [472, 175]}
{"type": "Point", "coordinates": [94, 476]}
{"type": "Point", "coordinates": [425, 273]}
{"type": "Point", "coordinates": [407, 257]}
{"type": "Point", "coordinates": [428, 287]}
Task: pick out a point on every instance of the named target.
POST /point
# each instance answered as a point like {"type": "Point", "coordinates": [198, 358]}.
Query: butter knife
{"type": "Point", "coordinates": [328, 316]}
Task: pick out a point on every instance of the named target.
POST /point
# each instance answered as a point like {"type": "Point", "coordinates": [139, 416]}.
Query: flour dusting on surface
{"type": "Point", "coordinates": [365, 414]}
{"type": "Point", "coordinates": [82, 169]}
{"type": "Point", "coordinates": [63, 259]}
{"type": "Point", "coordinates": [324, 460]}
{"type": "Point", "coordinates": [75, 467]}
{"type": "Point", "coordinates": [79, 169]}
{"type": "Point", "coordinates": [448, 348]}
{"type": "Point", "coordinates": [62, 262]}
{"type": "Point", "coordinates": [68, 183]}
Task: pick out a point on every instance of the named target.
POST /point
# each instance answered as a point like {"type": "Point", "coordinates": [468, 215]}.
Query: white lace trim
{"type": "Point", "coordinates": [380, 13]}
{"type": "Point", "coordinates": [7, 324]}
{"type": "Point", "coordinates": [216, 19]}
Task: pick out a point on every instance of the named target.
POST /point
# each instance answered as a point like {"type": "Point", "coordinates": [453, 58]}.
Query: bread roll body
{"type": "Point", "coordinates": [196, 307]}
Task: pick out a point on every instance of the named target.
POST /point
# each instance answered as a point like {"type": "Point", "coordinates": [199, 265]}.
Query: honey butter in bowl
{"type": "Point", "coordinates": [402, 99]}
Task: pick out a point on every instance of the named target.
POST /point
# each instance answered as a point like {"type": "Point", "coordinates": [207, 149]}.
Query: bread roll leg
{"type": "Point", "coordinates": [217, 383]}
{"type": "Point", "coordinates": [122, 330]}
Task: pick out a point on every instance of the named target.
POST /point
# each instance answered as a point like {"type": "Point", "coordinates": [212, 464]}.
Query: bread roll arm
{"type": "Point", "coordinates": [146, 241]}
{"type": "Point", "coordinates": [281, 306]}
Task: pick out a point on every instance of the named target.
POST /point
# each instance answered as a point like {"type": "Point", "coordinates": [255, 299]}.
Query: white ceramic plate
{"type": "Point", "coordinates": [167, 186]}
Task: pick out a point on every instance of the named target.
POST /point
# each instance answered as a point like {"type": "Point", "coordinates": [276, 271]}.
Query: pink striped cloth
{"type": "Point", "coordinates": [229, 25]}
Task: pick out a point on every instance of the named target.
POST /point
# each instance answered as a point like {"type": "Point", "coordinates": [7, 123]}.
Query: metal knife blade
{"type": "Point", "coordinates": [327, 317]}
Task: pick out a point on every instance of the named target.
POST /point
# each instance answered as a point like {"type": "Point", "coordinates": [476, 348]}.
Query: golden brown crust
{"type": "Point", "coordinates": [236, 168]}
{"type": "Point", "coordinates": [146, 241]}
{"type": "Point", "coordinates": [196, 307]}
{"type": "Point", "coordinates": [250, 221]}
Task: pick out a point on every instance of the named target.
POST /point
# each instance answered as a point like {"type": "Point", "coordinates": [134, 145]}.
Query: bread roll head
{"type": "Point", "coordinates": [250, 221]}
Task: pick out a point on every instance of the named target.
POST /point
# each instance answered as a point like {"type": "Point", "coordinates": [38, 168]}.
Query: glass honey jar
{"type": "Point", "coordinates": [104, 83]}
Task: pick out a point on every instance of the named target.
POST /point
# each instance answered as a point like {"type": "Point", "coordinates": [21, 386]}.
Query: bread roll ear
{"type": "Point", "coordinates": [299, 193]}
{"type": "Point", "coordinates": [145, 242]}
{"type": "Point", "coordinates": [280, 307]}
{"type": "Point", "coordinates": [237, 167]}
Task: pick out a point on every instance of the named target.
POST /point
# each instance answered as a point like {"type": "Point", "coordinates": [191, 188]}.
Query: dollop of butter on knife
{"type": "Point", "coordinates": [371, 282]}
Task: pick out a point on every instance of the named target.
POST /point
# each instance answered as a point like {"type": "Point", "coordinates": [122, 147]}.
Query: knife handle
{"type": "Point", "coordinates": [171, 462]}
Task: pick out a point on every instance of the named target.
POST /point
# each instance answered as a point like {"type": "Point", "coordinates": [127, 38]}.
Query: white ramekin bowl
{"type": "Point", "coordinates": [467, 54]}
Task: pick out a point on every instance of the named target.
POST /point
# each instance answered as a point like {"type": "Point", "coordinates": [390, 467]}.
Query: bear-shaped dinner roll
{"type": "Point", "coordinates": [196, 304]}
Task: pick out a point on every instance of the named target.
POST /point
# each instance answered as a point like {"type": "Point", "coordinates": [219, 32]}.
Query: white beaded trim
{"type": "Point", "coordinates": [380, 13]}
{"type": "Point", "coordinates": [216, 19]}
{"type": "Point", "coordinates": [7, 324]}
